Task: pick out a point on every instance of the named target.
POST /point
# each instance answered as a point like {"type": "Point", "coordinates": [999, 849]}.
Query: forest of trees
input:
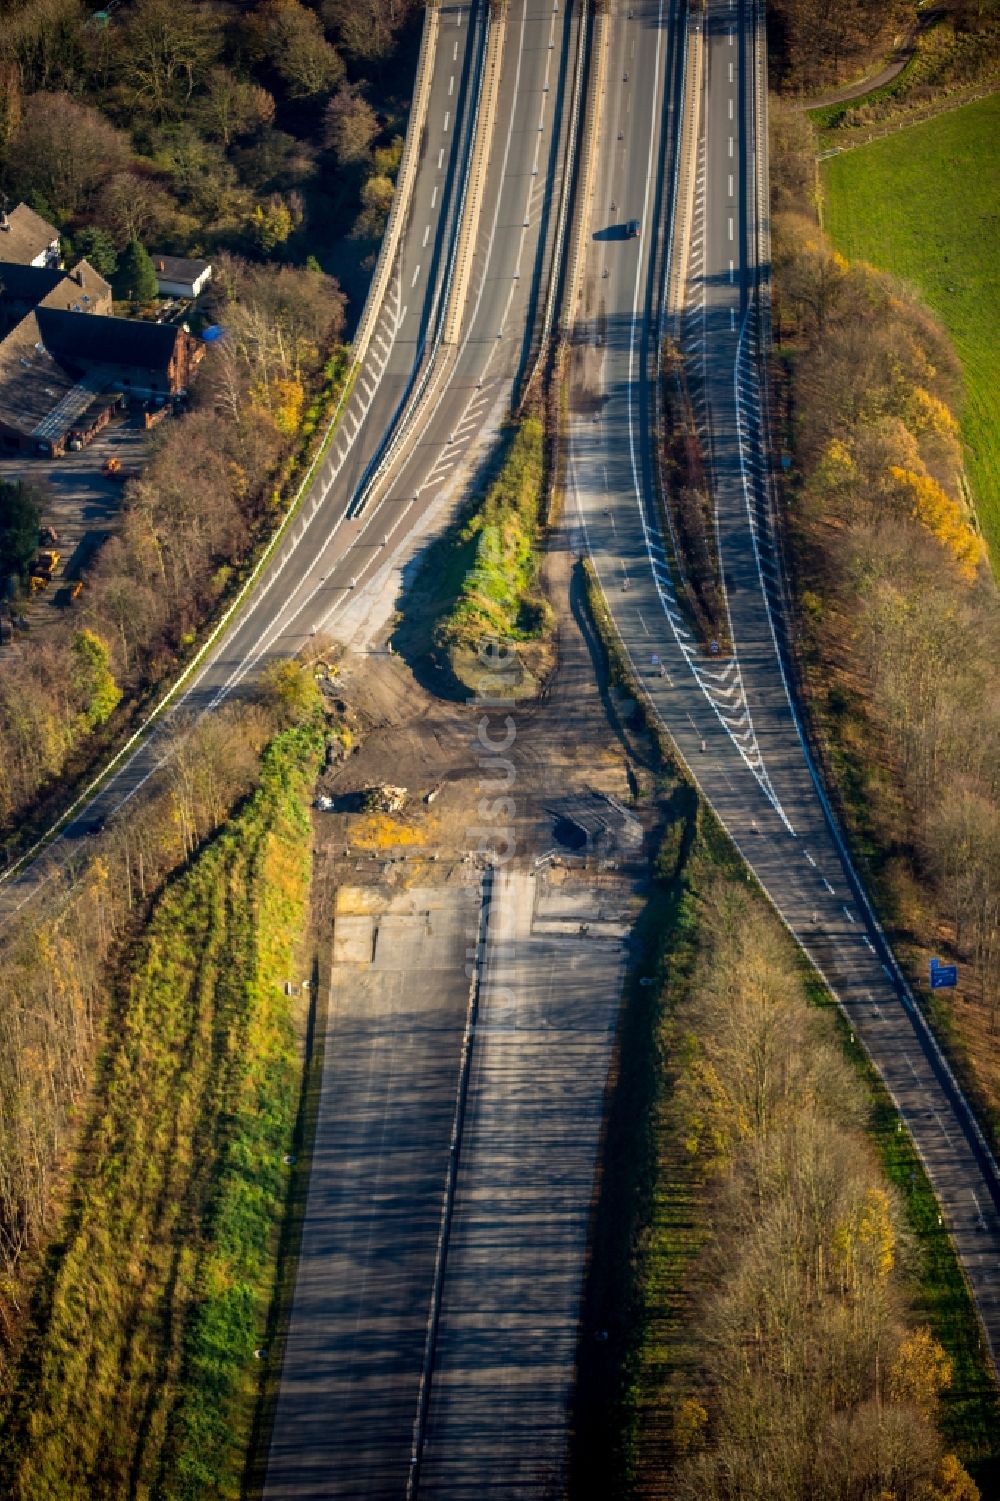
{"type": "Point", "coordinates": [898, 606]}
{"type": "Point", "coordinates": [813, 47]}
{"type": "Point", "coordinates": [203, 127]}
{"type": "Point", "coordinates": [804, 1372]}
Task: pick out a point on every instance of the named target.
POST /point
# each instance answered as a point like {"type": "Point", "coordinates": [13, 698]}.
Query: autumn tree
{"type": "Point", "coordinates": [942, 516]}
{"type": "Point", "coordinates": [920, 1372]}
{"type": "Point", "coordinates": [350, 125]}
{"type": "Point", "coordinates": [133, 206]}
{"type": "Point", "coordinates": [821, 44]}
{"type": "Point", "coordinates": [10, 102]}
{"type": "Point", "coordinates": [167, 48]}
{"type": "Point", "coordinates": [366, 29]}
{"type": "Point", "coordinates": [376, 201]}
{"type": "Point", "coordinates": [45, 42]}
{"type": "Point", "coordinates": [93, 680]}
{"type": "Point", "coordinates": [274, 159]}
{"type": "Point", "coordinates": [232, 107]}
{"type": "Point", "coordinates": [289, 692]}
{"type": "Point", "coordinates": [64, 150]}
{"type": "Point", "coordinates": [271, 224]}
{"type": "Point", "coordinates": [289, 37]}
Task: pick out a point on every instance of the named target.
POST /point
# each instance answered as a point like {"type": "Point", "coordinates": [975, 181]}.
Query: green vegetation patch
{"type": "Point", "coordinates": [497, 598]}
{"type": "Point", "coordinates": [140, 1378]}
{"type": "Point", "coordinates": [925, 204]}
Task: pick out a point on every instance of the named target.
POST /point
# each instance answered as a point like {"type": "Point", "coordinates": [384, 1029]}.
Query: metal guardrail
{"type": "Point", "coordinates": [685, 169]}
{"type": "Point", "coordinates": [404, 184]}
{"type": "Point", "coordinates": [585, 172]}
{"type": "Point", "coordinates": [552, 300]}
{"type": "Point", "coordinates": [476, 181]}
{"type": "Point", "coordinates": [410, 408]}
{"type": "Point", "coordinates": [554, 293]}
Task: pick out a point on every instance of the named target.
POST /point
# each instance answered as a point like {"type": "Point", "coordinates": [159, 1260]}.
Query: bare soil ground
{"type": "Point", "coordinates": [489, 765]}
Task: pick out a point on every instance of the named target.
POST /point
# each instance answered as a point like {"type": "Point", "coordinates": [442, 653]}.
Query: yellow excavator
{"type": "Point", "coordinates": [43, 568]}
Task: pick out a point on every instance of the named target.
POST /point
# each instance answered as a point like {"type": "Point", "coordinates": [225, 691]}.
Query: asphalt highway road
{"type": "Point", "coordinates": [327, 555]}
{"type": "Point", "coordinates": [754, 768]}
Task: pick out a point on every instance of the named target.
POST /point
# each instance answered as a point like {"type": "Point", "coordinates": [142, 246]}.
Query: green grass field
{"type": "Point", "coordinates": [925, 204]}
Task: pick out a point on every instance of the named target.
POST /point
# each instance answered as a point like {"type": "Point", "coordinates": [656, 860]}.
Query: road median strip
{"type": "Point", "coordinates": [468, 233]}
{"type": "Point", "coordinates": [687, 172]}
{"type": "Point", "coordinates": [404, 184]}
{"type": "Point", "coordinates": [593, 114]}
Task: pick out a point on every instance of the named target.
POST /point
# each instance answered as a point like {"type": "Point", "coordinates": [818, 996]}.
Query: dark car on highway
{"type": "Point", "coordinates": [632, 229]}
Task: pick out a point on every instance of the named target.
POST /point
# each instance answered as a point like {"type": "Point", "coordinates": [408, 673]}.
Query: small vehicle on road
{"type": "Point", "coordinates": [632, 229]}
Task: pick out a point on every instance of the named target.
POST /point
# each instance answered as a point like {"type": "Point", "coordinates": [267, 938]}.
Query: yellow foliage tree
{"type": "Point", "coordinates": [864, 1244]}
{"type": "Point", "coordinates": [836, 466]}
{"type": "Point", "coordinates": [875, 1231]}
{"type": "Point", "coordinates": [287, 398]}
{"type": "Point", "coordinates": [953, 1481]}
{"type": "Point", "coordinates": [928, 414]}
{"type": "Point", "coordinates": [690, 1421]}
{"type": "Point", "coordinates": [289, 691]}
{"type": "Point", "coordinates": [921, 1371]}
{"type": "Point", "coordinates": [942, 517]}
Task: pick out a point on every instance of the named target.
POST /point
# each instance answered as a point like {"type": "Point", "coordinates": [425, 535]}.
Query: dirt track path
{"type": "Point", "coordinates": [897, 62]}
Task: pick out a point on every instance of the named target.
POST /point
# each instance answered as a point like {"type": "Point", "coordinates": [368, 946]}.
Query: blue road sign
{"type": "Point", "coordinates": [943, 976]}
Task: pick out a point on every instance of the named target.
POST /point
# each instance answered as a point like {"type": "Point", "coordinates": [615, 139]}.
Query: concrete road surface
{"type": "Point", "coordinates": [352, 1360]}
{"type": "Point", "coordinates": [505, 1351]}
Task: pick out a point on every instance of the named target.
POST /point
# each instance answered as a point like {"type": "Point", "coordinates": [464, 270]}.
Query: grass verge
{"type": "Point", "coordinates": [478, 582]}
{"type": "Point", "coordinates": [925, 205]}
{"type": "Point", "coordinates": [970, 1411]}
{"type": "Point", "coordinates": [139, 1377]}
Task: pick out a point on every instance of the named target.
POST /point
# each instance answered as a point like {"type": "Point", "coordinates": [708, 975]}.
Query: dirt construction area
{"type": "Point", "coordinates": [474, 935]}
{"type": "Point", "coordinates": [488, 776]}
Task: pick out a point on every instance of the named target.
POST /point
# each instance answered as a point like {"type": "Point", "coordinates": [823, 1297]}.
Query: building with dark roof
{"type": "Point", "coordinates": [24, 288]}
{"type": "Point", "coordinates": [44, 408]}
{"type": "Point", "coordinates": [66, 365]}
{"type": "Point", "coordinates": [179, 277]}
{"type": "Point", "coordinates": [146, 360]}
